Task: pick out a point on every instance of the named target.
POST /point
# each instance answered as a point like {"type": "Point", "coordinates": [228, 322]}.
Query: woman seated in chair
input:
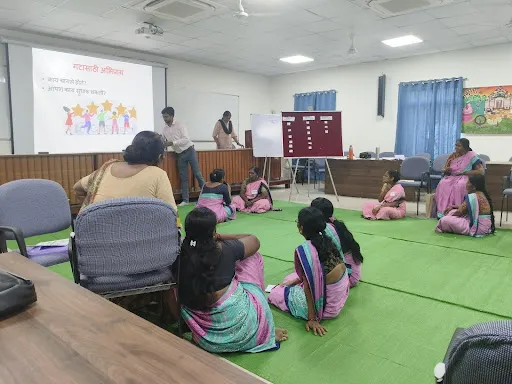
{"type": "Point", "coordinates": [254, 195]}
{"type": "Point", "coordinates": [221, 289]}
{"type": "Point", "coordinates": [137, 176]}
{"type": "Point", "coordinates": [475, 216]}
{"type": "Point", "coordinates": [391, 203]}
{"type": "Point", "coordinates": [342, 238]}
{"type": "Point", "coordinates": [320, 285]}
{"type": "Point", "coordinates": [460, 165]}
{"type": "Point", "coordinates": [216, 195]}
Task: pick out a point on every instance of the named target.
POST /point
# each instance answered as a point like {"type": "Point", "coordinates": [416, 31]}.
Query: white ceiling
{"type": "Point", "coordinates": [316, 28]}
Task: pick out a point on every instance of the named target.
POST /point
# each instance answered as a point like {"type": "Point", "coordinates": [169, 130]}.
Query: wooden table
{"type": "Point", "coordinates": [72, 335]}
{"type": "Point", "coordinates": [363, 178]}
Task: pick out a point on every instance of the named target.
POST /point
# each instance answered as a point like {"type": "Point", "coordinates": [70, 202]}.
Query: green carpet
{"type": "Point", "coordinates": [417, 287]}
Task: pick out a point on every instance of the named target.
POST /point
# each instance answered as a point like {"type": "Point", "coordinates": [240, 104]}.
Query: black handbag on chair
{"type": "Point", "coordinates": [16, 294]}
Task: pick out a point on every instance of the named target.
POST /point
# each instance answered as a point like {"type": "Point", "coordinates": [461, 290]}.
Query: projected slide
{"type": "Point", "coordinates": [87, 104]}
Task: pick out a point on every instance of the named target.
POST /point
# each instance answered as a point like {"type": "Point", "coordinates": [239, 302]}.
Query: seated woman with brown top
{"type": "Point", "coordinates": [137, 176]}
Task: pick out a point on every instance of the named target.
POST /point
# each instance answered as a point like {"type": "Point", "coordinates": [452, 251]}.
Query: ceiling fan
{"type": "Point", "coordinates": [352, 51]}
{"type": "Point", "coordinates": [242, 14]}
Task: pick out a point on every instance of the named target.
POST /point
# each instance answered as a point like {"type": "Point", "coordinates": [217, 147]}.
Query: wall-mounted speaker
{"type": "Point", "coordinates": [381, 96]}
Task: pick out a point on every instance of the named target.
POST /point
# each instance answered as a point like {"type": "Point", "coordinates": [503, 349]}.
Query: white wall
{"type": "Point", "coordinates": [252, 90]}
{"type": "Point", "coordinates": [5, 121]}
{"type": "Point", "coordinates": [357, 93]}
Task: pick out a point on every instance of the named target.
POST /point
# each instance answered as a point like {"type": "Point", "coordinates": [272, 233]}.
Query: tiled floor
{"type": "Point", "coordinates": [353, 203]}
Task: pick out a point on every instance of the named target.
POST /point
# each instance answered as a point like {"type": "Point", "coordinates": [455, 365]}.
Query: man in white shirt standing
{"type": "Point", "coordinates": [176, 136]}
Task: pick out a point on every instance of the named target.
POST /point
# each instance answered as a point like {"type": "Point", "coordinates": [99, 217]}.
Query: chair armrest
{"type": "Point", "coordinates": [19, 237]}
{"type": "Point", "coordinates": [73, 257]}
{"type": "Point", "coordinates": [506, 182]}
{"type": "Point", "coordinates": [425, 178]}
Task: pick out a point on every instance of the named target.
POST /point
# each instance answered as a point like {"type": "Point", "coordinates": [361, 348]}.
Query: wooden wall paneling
{"type": "Point", "coordinates": [172, 171]}
{"type": "Point", "coordinates": [68, 169]}
{"type": "Point", "coordinates": [34, 171]}
{"type": "Point", "coordinates": [44, 167]}
{"type": "Point", "coordinates": [72, 175]}
{"type": "Point", "coordinates": [10, 169]}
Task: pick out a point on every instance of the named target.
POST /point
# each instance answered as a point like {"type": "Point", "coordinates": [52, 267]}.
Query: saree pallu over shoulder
{"type": "Point", "coordinates": [328, 299]}
{"type": "Point", "coordinates": [94, 182]}
{"type": "Point", "coordinates": [330, 232]}
{"type": "Point", "coordinates": [480, 225]}
{"type": "Point", "coordinates": [293, 299]}
{"type": "Point", "coordinates": [240, 321]}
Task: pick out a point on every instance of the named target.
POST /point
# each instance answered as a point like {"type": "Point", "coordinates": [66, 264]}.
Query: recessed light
{"type": "Point", "coordinates": [298, 59]}
{"type": "Point", "coordinates": [401, 41]}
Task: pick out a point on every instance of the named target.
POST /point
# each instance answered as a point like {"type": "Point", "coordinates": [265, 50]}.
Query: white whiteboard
{"type": "Point", "coordinates": [267, 135]}
{"type": "Point", "coordinates": [200, 110]}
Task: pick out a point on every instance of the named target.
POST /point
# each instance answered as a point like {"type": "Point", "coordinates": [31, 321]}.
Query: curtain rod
{"type": "Point", "coordinates": [434, 80]}
{"type": "Point", "coordinates": [310, 93]}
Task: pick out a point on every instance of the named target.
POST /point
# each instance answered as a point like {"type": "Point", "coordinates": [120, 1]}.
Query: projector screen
{"type": "Point", "coordinates": [69, 103]}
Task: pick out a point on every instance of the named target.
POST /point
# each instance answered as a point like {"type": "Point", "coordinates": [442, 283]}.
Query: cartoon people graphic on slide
{"type": "Point", "coordinates": [101, 121]}
{"type": "Point", "coordinates": [126, 117]}
{"type": "Point", "coordinates": [115, 125]}
{"type": "Point", "coordinates": [87, 118]}
{"type": "Point", "coordinates": [69, 120]}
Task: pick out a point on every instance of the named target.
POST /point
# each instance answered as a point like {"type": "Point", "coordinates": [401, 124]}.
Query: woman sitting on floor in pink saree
{"type": "Point", "coordinates": [391, 203]}
{"type": "Point", "coordinates": [319, 287]}
{"type": "Point", "coordinates": [475, 216]}
{"type": "Point", "coordinates": [254, 195]}
{"type": "Point", "coordinates": [216, 195]}
{"type": "Point", "coordinates": [460, 165]}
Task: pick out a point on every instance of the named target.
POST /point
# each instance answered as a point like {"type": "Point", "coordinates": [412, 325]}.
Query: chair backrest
{"type": "Point", "coordinates": [35, 206]}
{"type": "Point", "coordinates": [439, 162]}
{"type": "Point", "coordinates": [484, 157]}
{"type": "Point", "coordinates": [414, 167]}
{"type": "Point", "coordinates": [126, 236]}
{"type": "Point", "coordinates": [387, 154]}
{"type": "Point", "coordinates": [480, 354]}
{"type": "Point", "coordinates": [425, 155]}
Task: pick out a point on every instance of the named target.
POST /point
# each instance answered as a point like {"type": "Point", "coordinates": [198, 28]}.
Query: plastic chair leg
{"type": "Point", "coordinates": [418, 203]}
{"type": "Point", "coordinates": [502, 205]}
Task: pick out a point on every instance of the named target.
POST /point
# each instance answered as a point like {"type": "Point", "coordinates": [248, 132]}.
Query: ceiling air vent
{"type": "Point", "coordinates": [182, 10]}
{"type": "Point", "coordinates": [388, 8]}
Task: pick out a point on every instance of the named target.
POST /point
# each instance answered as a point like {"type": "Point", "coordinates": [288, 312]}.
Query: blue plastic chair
{"type": "Point", "coordinates": [436, 173]}
{"type": "Point", "coordinates": [414, 173]}
{"type": "Point", "coordinates": [33, 207]}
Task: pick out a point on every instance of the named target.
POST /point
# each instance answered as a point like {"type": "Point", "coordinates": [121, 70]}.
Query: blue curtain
{"type": "Point", "coordinates": [315, 101]}
{"type": "Point", "coordinates": [429, 117]}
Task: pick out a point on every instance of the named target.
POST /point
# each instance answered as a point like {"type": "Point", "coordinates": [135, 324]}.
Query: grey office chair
{"type": "Point", "coordinates": [33, 207]}
{"type": "Point", "coordinates": [484, 158]}
{"type": "Point", "coordinates": [414, 173]}
{"type": "Point", "coordinates": [425, 155]}
{"type": "Point", "coordinates": [125, 247]}
{"type": "Point", "coordinates": [480, 354]}
{"type": "Point", "coordinates": [507, 191]}
{"type": "Point", "coordinates": [436, 173]}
